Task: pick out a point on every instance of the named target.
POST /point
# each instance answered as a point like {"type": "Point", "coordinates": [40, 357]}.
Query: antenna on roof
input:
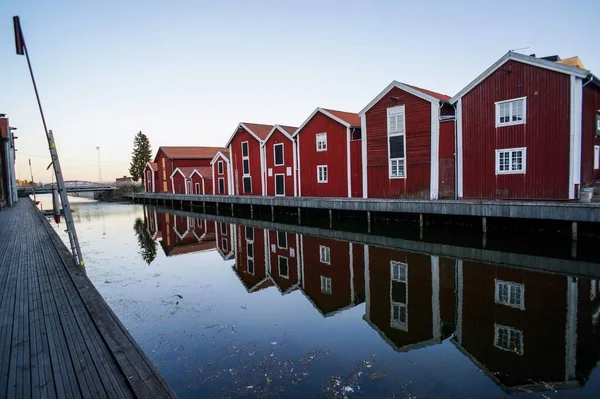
{"type": "Point", "coordinates": [517, 49]}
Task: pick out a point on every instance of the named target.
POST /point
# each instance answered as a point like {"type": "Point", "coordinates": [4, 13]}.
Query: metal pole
{"type": "Point", "coordinates": [99, 166]}
{"type": "Point", "coordinates": [32, 182]}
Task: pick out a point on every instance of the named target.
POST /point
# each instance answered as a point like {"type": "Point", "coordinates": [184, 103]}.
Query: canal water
{"type": "Point", "coordinates": [228, 310]}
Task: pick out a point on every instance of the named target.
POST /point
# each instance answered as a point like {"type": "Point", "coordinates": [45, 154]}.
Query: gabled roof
{"type": "Point", "coordinates": [347, 119]}
{"type": "Point", "coordinates": [205, 172]}
{"type": "Point", "coordinates": [427, 95]}
{"type": "Point", "coordinates": [153, 166]}
{"type": "Point", "coordinates": [189, 152]}
{"type": "Point", "coordinates": [257, 130]}
{"type": "Point", "coordinates": [288, 131]}
{"type": "Point", "coordinates": [185, 171]}
{"type": "Point", "coordinates": [526, 59]}
{"type": "Point", "coordinates": [221, 154]}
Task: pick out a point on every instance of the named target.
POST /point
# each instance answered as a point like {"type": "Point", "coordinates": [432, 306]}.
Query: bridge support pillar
{"type": "Point", "coordinates": [272, 213]}
{"type": "Point", "coordinates": [251, 211]}
{"type": "Point", "coordinates": [299, 215]}
{"type": "Point", "coordinates": [574, 231]}
{"type": "Point", "coordinates": [484, 224]}
{"type": "Point", "coordinates": [232, 212]}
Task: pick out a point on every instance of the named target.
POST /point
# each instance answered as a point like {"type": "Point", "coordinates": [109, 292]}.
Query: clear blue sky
{"type": "Point", "coordinates": [186, 72]}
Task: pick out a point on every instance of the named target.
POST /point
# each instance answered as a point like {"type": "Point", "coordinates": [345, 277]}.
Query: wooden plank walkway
{"type": "Point", "coordinates": [58, 338]}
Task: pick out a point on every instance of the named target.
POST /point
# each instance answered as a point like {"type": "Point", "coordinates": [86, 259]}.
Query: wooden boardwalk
{"type": "Point", "coordinates": [58, 338]}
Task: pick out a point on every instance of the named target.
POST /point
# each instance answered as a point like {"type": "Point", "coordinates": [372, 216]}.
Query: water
{"type": "Point", "coordinates": [228, 311]}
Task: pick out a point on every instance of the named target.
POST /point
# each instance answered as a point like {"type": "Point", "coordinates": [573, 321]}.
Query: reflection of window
{"type": "Point", "coordinates": [282, 239]}
{"type": "Point", "coordinates": [278, 148]}
{"type": "Point", "coordinates": [324, 254]}
{"type": "Point", "coordinates": [321, 142]}
{"type": "Point", "coordinates": [398, 270]}
{"type": "Point", "coordinates": [399, 313]}
{"type": "Point", "coordinates": [510, 294]}
{"type": "Point", "coordinates": [249, 233]}
{"type": "Point", "coordinates": [223, 229]}
{"type": "Point", "coordinates": [250, 265]}
{"type": "Point", "coordinates": [511, 112]}
{"type": "Point", "coordinates": [593, 289]}
{"type": "Point", "coordinates": [326, 285]}
{"type": "Point", "coordinates": [508, 339]}
{"type": "Point", "coordinates": [283, 266]}
{"type": "Point", "coordinates": [224, 244]}
{"type": "Point", "coordinates": [190, 223]}
{"type": "Point", "coordinates": [399, 295]}
{"type": "Point", "coordinates": [250, 249]}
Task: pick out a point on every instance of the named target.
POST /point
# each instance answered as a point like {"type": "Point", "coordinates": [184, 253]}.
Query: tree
{"type": "Point", "coordinates": [141, 155]}
{"type": "Point", "coordinates": [145, 241]}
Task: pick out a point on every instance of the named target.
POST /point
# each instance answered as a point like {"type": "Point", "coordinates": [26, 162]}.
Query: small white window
{"type": "Point", "coordinates": [508, 339]}
{"type": "Point", "coordinates": [399, 316]}
{"type": "Point", "coordinates": [511, 112]}
{"type": "Point", "coordinates": [324, 254]}
{"type": "Point", "coordinates": [245, 149]}
{"type": "Point", "coordinates": [220, 165]}
{"type": "Point", "coordinates": [326, 285]}
{"type": "Point", "coordinates": [322, 174]}
{"type": "Point", "coordinates": [321, 142]}
{"type": "Point", "coordinates": [511, 161]}
{"type": "Point", "coordinates": [283, 266]}
{"type": "Point", "coordinates": [398, 271]}
{"type": "Point", "coordinates": [396, 128]}
{"type": "Point", "coordinates": [278, 154]}
{"type": "Point", "coordinates": [510, 294]}
{"type": "Point", "coordinates": [597, 157]}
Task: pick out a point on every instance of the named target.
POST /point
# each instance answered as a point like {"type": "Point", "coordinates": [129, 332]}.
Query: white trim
{"type": "Point", "coordinates": [212, 167]}
{"type": "Point", "coordinates": [219, 185]}
{"type": "Point", "coordinates": [459, 300]}
{"type": "Point", "coordinates": [282, 155]}
{"type": "Point", "coordinates": [553, 66]}
{"type": "Point", "coordinates": [302, 261]}
{"type": "Point", "coordinates": [326, 260]}
{"type": "Point", "coordinates": [435, 152]}
{"type": "Point", "coordinates": [571, 329]}
{"type": "Point", "coordinates": [319, 180]}
{"type": "Point", "coordinates": [510, 171]}
{"type": "Point", "coordinates": [324, 112]}
{"type": "Point", "coordinates": [348, 163]}
{"type": "Point", "coordinates": [523, 121]}
{"type": "Point", "coordinates": [597, 157]}
{"type": "Point", "coordinates": [282, 130]}
{"type": "Point", "coordinates": [220, 167]}
{"type": "Point", "coordinates": [363, 129]}
{"type": "Point", "coordinates": [243, 126]}
{"type": "Point", "coordinates": [367, 283]}
{"type": "Point", "coordinates": [263, 171]}
{"type": "Point", "coordinates": [294, 163]}
{"type": "Point", "coordinates": [435, 297]}
{"type": "Point", "coordinates": [275, 184]}
{"type": "Point", "coordinates": [575, 135]}
{"type": "Point", "coordinates": [219, 155]}
{"type": "Point", "coordinates": [403, 134]}
{"type": "Point", "coordinates": [299, 174]}
{"type": "Point", "coordinates": [279, 257]}
{"type": "Point", "coordinates": [197, 187]}
{"type": "Point", "coordinates": [403, 87]}
{"type": "Point", "coordinates": [351, 265]}
{"type": "Point", "coordinates": [459, 149]}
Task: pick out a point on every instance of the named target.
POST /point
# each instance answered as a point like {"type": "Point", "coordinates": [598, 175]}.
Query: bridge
{"type": "Point", "coordinates": [72, 186]}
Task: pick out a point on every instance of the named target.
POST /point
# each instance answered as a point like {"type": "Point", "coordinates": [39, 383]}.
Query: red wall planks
{"type": "Point", "coordinates": [591, 107]}
{"type": "Point", "coordinates": [287, 169]}
{"type": "Point", "coordinates": [235, 151]}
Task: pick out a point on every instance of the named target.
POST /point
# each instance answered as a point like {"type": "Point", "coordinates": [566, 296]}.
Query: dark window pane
{"type": "Point", "coordinates": [249, 233]}
{"type": "Point", "coordinates": [221, 186]}
{"type": "Point", "coordinates": [282, 239]}
{"type": "Point", "coordinates": [279, 155]}
{"type": "Point", "coordinates": [356, 134]}
{"type": "Point", "coordinates": [244, 149]}
{"type": "Point", "coordinates": [397, 147]}
{"type": "Point", "coordinates": [283, 266]}
{"type": "Point", "coordinates": [246, 164]}
{"type": "Point", "coordinates": [279, 184]}
{"type": "Point", "coordinates": [220, 167]}
{"type": "Point", "coordinates": [250, 266]}
{"type": "Point", "coordinates": [247, 185]}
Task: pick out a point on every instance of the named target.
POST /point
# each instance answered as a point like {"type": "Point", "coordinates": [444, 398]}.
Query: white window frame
{"type": "Point", "coordinates": [511, 286]}
{"type": "Point", "coordinates": [286, 240]}
{"type": "Point", "coordinates": [321, 138]}
{"type": "Point", "coordinates": [247, 177]}
{"type": "Point", "coordinates": [275, 184]}
{"type": "Point", "coordinates": [509, 330]}
{"type": "Point", "coordinates": [220, 168]}
{"type": "Point", "coordinates": [326, 285]}
{"type": "Point", "coordinates": [246, 158]}
{"type": "Point", "coordinates": [326, 174]}
{"type": "Point", "coordinates": [510, 160]}
{"type": "Point", "coordinates": [197, 188]}
{"type": "Point", "coordinates": [397, 324]}
{"type": "Point", "coordinates": [223, 229]}
{"type": "Point", "coordinates": [402, 110]}
{"type": "Point", "coordinates": [325, 254]}
{"type": "Point", "coordinates": [224, 244]}
{"type": "Point", "coordinates": [222, 179]}
{"type": "Point", "coordinates": [400, 266]}
{"type": "Point", "coordinates": [275, 154]}
{"type": "Point", "coordinates": [597, 157]}
{"type": "Point", "coordinates": [190, 223]}
{"type": "Point", "coordinates": [188, 187]}
{"type": "Point", "coordinates": [279, 257]}
{"type": "Point", "coordinates": [510, 114]}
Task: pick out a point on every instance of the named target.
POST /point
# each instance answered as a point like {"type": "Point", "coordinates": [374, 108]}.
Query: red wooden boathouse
{"type": "Point", "coordinates": [170, 158]}
{"type": "Point", "coordinates": [329, 154]}
{"type": "Point", "coordinates": [150, 176]}
{"type": "Point", "coordinates": [250, 258]}
{"type": "Point", "coordinates": [189, 180]}
{"type": "Point", "coordinates": [283, 267]}
{"type": "Point", "coordinates": [225, 234]}
{"type": "Point", "coordinates": [408, 144]}
{"type": "Point", "coordinates": [279, 148]}
{"type": "Point", "coordinates": [221, 171]}
{"type": "Point", "coordinates": [526, 129]}
{"type": "Point", "coordinates": [247, 158]}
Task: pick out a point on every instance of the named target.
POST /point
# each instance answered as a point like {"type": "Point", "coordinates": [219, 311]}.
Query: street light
{"type": "Point", "coordinates": [99, 166]}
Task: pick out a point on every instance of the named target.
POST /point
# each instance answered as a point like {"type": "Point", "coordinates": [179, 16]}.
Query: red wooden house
{"type": "Point", "coordinates": [504, 326]}
{"type": "Point", "coordinates": [190, 180]}
{"type": "Point", "coordinates": [332, 274]}
{"type": "Point", "coordinates": [279, 149]}
{"type": "Point", "coordinates": [221, 172]}
{"type": "Point", "coordinates": [170, 158]}
{"type": "Point", "coordinates": [408, 144]}
{"type": "Point", "coordinates": [410, 297]}
{"type": "Point", "coordinates": [150, 177]}
{"type": "Point", "coordinates": [183, 235]}
{"type": "Point", "coordinates": [225, 234]}
{"type": "Point", "coordinates": [247, 158]}
{"type": "Point", "coordinates": [329, 154]}
{"type": "Point", "coordinates": [251, 258]}
{"type": "Point", "coordinates": [283, 266]}
{"type": "Point", "coordinates": [526, 129]}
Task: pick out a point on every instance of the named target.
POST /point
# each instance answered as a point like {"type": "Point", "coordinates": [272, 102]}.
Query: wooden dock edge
{"type": "Point", "coordinates": [139, 371]}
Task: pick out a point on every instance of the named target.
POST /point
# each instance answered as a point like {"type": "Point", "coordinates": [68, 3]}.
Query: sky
{"type": "Point", "coordinates": [187, 72]}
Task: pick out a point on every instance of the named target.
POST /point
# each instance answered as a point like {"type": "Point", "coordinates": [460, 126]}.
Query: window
{"type": "Point", "coordinates": [199, 223]}
{"type": "Point", "coordinates": [249, 233]}
{"type": "Point", "coordinates": [220, 167]}
{"type": "Point", "coordinates": [322, 174]}
{"type": "Point", "coordinates": [247, 180]}
{"type": "Point", "coordinates": [321, 142]}
{"type": "Point", "coordinates": [278, 149]}
{"type": "Point", "coordinates": [190, 223]}
{"type": "Point", "coordinates": [281, 239]}
{"type": "Point", "coordinates": [188, 187]}
{"type": "Point", "coordinates": [250, 249]}
{"type": "Point", "coordinates": [326, 285]}
{"type": "Point", "coordinates": [224, 244]}
{"type": "Point", "coordinates": [250, 266]}
{"type": "Point", "coordinates": [508, 339]}
{"type": "Point", "coordinates": [148, 178]}
{"type": "Point", "coordinates": [280, 184]}
{"type": "Point", "coordinates": [396, 142]}
{"type": "Point", "coordinates": [223, 229]}
{"type": "Point", "coordinates": [324, 254]}
{"type": "Point", "coordinates": [221, 185]}
{"type": "Point", "coordinates": [399, 316]}
{"type": "Point", "coordinates": [511, 112]}
{"type": "Point", "coordinates": [597, 157]}
{"type": "Point", "coordinates": [511, 161]}
{"type": "Point", "coordinates": [197, 186]}
{"type": "Point", "coordinates": [246, 166]}
{"type": "Point", "coordinates": [355, 134]}
{"type": "Point", "coordinates": [244, 149]}
{"type": "Point", "coordinates": [510, 294]}
{"type": "Point", "coordinates": [398, 271]}
{"type": "Point", "coordinates": [593, 289]}
{"type": "Point", "coordinates": [283, 266]}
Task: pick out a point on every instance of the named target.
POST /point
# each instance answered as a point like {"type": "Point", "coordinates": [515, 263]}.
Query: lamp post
{"type": "Point", "coordinates": [99, 166]}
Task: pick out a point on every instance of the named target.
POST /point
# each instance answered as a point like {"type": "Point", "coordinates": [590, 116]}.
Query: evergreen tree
{"type": "Point", "coordinates": [145, 241]}
{"type": "Point", "coordinates": [141, 155]}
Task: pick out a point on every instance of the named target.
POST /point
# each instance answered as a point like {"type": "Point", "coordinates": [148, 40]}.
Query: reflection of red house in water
{"type": "Point", "coordinates": [189, 180]}
{"type": "Point", "coordinates": [151, 218]}
{"type": "Point", "coordinates": [283, 266]}
{"type": "Point", "coordinates": [528, 330]}
{"type": "Point", "coordinates": [225, 234]}
{"type": "Point", "coordinates": [182, 235]}
{"type": "Point", "coordinates": [410, 297]}
{"type": "Point", "coordinates": [250, 258]}
{"type": "Point", "coordinates": [332, 273]}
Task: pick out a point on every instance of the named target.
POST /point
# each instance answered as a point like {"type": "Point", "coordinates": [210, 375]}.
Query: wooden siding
{"type": "Point", "coordinates": [546, 134]}
{"type": "Point", "coordinates": [418, 148]}
{"type": "Point", "coordinates": [178, 184]}
{"type": "Point", "coordinates": [235, 152]}
{"type": "Point", "coordinates": [289, 251]}
{"type": "Point", "coordinates": [164, 174]}
{"type": "Point", "coordinates": [288, 162]}
{"type": "Point", "coordinates": [252, 282]}
{"type": "Point", "coordinates": [591, 106]}
{"type": "Point", "coordinates": [447, 160]}
{"type": "Point", "coordinates": [335, 158]}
